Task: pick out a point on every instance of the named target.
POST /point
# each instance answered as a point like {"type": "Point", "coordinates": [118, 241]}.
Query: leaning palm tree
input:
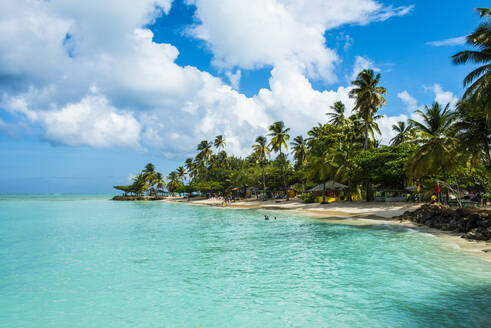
{"type": "Point", "coordinates": [205, 150]}
{"type": "Point", "coordinates": [368, 98]}
{"type": "Point", "coordinates": [337, 118]}
{"type": "Point", "coordinates": [219, 142]}
{"type": "Point", "coordinates": [478, 82]}
{"type": "Point", "coordinates": [261, 151]}
{"type": "Point", "coordinates": [403, 133]}
{"type": "Point", "coordinates": [279, 138]}
{"type": "Point", "coordinates": [435, 140]}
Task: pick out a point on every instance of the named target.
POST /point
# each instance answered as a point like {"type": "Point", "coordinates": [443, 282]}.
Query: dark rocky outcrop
{"type": "Point", "coordinates": [473, 223]}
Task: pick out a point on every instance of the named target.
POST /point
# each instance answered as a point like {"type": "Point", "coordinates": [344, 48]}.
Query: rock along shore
{"type": "Point", "coordinates": [473, 223]}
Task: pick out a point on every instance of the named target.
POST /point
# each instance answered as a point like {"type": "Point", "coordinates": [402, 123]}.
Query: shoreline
{"type": "Point", "coordinates": [355, 213]}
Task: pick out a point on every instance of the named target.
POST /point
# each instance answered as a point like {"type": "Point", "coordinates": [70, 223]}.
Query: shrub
{"type": "Point", "coordinates": [308, 198]}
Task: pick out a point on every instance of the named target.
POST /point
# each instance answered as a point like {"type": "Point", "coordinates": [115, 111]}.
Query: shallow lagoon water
{"type": "Point", "coordinates": [84, 261]}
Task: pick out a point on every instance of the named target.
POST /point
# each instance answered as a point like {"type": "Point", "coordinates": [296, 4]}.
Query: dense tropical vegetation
{"type": "Point", "coordinates": [445, 145]}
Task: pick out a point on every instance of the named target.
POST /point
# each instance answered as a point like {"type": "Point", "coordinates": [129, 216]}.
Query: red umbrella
{"type": "Point", "coordinates": [437, 188]}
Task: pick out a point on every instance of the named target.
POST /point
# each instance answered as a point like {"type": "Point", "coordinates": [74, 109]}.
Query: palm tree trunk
{"type": "Point", "coordinates": [264, 184]}
{"type": "Point", "coordinates": [324, 193]}
{"type": "Point", "coordinates": [365, 146]}
{"type": "Point", "coordinates": [283, 174]}
{"type": "Point", "coordinates": [349, 190]}
{"type": "Point", "coordinates": [486, 150]}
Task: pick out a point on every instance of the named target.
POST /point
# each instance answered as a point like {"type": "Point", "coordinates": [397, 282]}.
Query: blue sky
{"type": "Point", "coordinates": [89, 93]}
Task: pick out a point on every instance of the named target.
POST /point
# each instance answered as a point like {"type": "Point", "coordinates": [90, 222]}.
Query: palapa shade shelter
{"type": "Point", "coordinates": [330, 185]}
{"type": "Point", "coordinates": [333, 191]}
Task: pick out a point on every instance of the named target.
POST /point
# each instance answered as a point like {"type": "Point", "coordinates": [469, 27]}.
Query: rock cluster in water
{"type": "Point", "coordinates": [474, 223]}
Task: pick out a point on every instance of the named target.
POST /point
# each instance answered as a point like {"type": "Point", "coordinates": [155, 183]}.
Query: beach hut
{"type": "Point", "coordinates": [334, 191]}
{"type": "Point", "coordinates": [391, 195]}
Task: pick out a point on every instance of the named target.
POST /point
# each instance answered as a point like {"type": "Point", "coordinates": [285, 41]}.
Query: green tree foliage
{"type": "Point", "coordinates": [404, 133]}
{"type": "Point", "coordinates": [337, 117]}
{"type": "Point", "coordinates": [443, 144]}
{"type": "Point", "coordinates": [478, 82]}
{"type": "Point", "coordinates": [436, 141]}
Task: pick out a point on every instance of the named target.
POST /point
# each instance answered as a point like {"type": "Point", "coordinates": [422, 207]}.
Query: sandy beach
{"type": "Point", "coordinates": [353, 213]}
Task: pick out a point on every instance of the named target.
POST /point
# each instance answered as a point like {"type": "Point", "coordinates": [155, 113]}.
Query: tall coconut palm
{"type": "Point", "coordinates": [403, 133]}
{"type": "Point", "coordinates": [435, 140]}
{"type": "Point", "coordinates": [261, 150]}
{"type": "Point", "coordinates": [181, 173]}
{"type": "Point", "coordinates": [219, 142]}
{"type": "Point", "coordinates": [478, 82]}
{"type": "Point", "coordinates": [279, 138]}
{"type": "Point", "coordinates": [337, 118]}
{"type": "Point", "coordinates": [205, 150]}
{"type": "Point", "coordinates": [368, 98]}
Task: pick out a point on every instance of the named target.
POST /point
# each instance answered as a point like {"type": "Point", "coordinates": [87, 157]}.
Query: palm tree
{"type": "Point", "coordinates": [174, 181]}
{"type": "Point", "coordinates": [219, 142]}
{"type": "Point", "coordinates": [149, 176]}
{"type": "Point", "coordinates": [159, 182]}
{"type": "Point", "coordinates": [279, 138]}
{"type": "Point", "coordinates": [369, 98]}
{"type": "Point", "coordinates": [337, 118]}
{"type": "Point", "coordinates": [346, 159]}
{"type": "Point", "coordinates": [261, 151]}
{"type": "Point", "coordinates": [434, 136]}
{"type": "Point", "coordinates": [478, 82]}
{"type": "Point", "coordinates": [190, 168]}
{"type": "Point", "coordinates": [404, 133]}
{"type": "Point", "coordinates": [222, 159]}
{"type": "Point", "coordinates": [299, 148]}
{"type": "Point", "coordinates": [181, 173]}
{"type": "Point", "coordinates": [205, 150]}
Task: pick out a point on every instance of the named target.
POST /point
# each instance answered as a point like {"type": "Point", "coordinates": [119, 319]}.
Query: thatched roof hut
{"type": "Point", "coordinates": [330, 185]}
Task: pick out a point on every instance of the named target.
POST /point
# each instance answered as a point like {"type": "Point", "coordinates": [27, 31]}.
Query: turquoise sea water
{"type": "Point", "coordinates": [85, 261]}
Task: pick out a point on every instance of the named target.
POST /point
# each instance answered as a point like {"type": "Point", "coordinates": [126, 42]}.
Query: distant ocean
{"type": "Point", "coordinates": [85, 261]}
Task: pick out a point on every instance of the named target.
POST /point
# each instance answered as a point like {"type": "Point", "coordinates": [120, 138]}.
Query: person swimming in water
{"type": "Point", "coordinates": [275, 217]}
{"type": "Point", "coordinates": [266, 217]}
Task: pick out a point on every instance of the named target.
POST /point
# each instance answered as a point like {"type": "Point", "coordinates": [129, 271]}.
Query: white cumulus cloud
{"type": "Point", "coordinates": [89, 72]}
{"type": "Point", "coordinates": [448, 42]}
{"type": "Point", "coordinates": [410, 101]}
